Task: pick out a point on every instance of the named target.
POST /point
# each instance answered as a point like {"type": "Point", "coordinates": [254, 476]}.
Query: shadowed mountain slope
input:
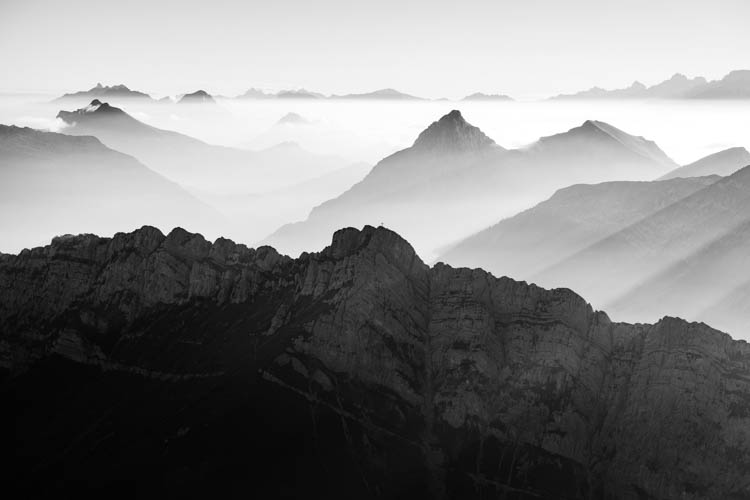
{"type": "Point", "coordinates": [174, 364]}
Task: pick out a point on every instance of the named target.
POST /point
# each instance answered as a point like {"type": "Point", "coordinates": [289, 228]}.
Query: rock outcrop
{"type": "Point", "coordinates": [404, 380]}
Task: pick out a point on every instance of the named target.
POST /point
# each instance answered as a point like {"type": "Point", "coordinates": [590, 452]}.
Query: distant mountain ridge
{"type": "Point", "coordinates": [723, 163]}
{"type": "Point", "coordinates": [382, 94]}
{"type": "Point", "coordinates": [479, 96]}
{"type": "Point", "coordinates": [735, 85]}
{"type": "Point", "coordinates": [106, 92]}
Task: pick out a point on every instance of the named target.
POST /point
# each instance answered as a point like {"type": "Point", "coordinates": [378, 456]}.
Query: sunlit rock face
{"type": "Point", "coordinates": [358, 371]}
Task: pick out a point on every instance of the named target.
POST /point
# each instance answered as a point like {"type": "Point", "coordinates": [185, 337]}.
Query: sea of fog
{"type": "Point", "coordinates": [370, 130]}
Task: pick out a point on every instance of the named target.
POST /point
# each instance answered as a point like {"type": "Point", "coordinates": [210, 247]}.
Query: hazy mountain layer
{"type": "Point", "coordinates": [571, 220]}
{"type": "Point", "coordinates": [723, 163]}
{"type": "Point", "coordinates": [119, 93]}
{"type": "Point", "coordinates": [641, 250]}
{"type": "Point", "coordinates": [455, 181]}
{"type": "Point", "coordinates": [175, 365]}
{"type": "Point", "coordinates": [53, 184]}
{"type": "Point", "coordinates": [479, 96]}
{"type": "Point", "coordinates": [735, 85]}
{"type": "Point", "coordinates": [194, 163]}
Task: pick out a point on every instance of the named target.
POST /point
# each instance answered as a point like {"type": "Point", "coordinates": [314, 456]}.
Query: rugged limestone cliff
{"type": "Point", "coordinates": [357, 371]}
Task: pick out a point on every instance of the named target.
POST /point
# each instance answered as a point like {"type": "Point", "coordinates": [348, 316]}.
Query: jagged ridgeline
{"type": "Point", "coordinates": [177, 366]}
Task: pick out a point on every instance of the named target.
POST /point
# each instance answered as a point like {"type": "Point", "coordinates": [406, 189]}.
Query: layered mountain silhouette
{"type": "Point", "coordinates": [298, 94]}
{"type": "Point", "coordinates": [174, 365]}
{"type": "Point", "coordinates": [254, 93]}
{"type": "Point", "coordinates": [735, 85]}
{"type": "Point", "coordinates": [572, 219]}
{"type": "Point", "coordinates": [194, 163]}
{"type": "Point", "coordinates": [723, 163]}
{"type": "Point", "coordinates": [382, 94]}
{"type": "Point", "coordinates": [454, 180]}
{"type": "Point", "coordinates": [638, 249]}
{"type": "Point", "coordinates": [53, 183]}
{"type": "Point", "coordinates": [113, 92]}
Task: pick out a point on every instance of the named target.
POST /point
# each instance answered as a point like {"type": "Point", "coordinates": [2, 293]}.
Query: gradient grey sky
{"type": "Point", "coordinates": [526, 48]}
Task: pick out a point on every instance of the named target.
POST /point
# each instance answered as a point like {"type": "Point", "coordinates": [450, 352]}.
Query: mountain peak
{"type": "Point", "coordinates": [453, 133]}
{"type": "Point", "coordinates": [350, 241]}
{"type": "Point", "coordinates": [95, 109]}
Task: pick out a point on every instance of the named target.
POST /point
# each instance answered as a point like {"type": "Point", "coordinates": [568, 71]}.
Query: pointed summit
{"type": "Point", "coordinates": [453, 133]}
{"type": "Point", "coordinates": [100, 113]}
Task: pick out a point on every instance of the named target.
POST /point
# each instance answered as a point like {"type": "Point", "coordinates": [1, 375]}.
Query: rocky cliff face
{"type": "Point", "coordinates": [359, 371]}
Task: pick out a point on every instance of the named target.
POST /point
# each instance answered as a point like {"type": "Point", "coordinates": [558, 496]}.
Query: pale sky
{"type": "Point", "coordinates": [433, 48]}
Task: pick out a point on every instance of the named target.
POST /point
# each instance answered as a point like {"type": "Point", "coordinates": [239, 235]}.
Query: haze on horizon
{"type": "Point", "coordinates": [436, 49]}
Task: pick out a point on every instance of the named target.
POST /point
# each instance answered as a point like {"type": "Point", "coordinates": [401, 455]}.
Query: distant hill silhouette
{"type": "Point", "coordinates": [735, 85]}
{"type": "Point", "coordinates": [117, 92]}
{"type": "Point", "coordinates": [382, 94]}
{"type": "Point", "coordinates": [478, 96]}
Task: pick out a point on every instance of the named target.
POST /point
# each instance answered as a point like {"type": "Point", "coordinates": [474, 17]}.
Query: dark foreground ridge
{"type": "Point", "coordinates": [171, 365]}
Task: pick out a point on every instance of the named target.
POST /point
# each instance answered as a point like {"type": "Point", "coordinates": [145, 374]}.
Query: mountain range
{"type": "Point", "coordinates": [479, 96]}
{"type": "Point", "coordinates": [454, 181]}
{"type": "Point", "coordinates": [735, 85]}
{"type": "Point", "coordinates": [636, 248]}
{"type": "Point", "coordinates": [179, 366]}
{"type": "Point", "coordinates": [194, 163]}
{"type": "Point", "coordinates": [114, 92]}
{"type": "Point", "coordinates": [53, 183]}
